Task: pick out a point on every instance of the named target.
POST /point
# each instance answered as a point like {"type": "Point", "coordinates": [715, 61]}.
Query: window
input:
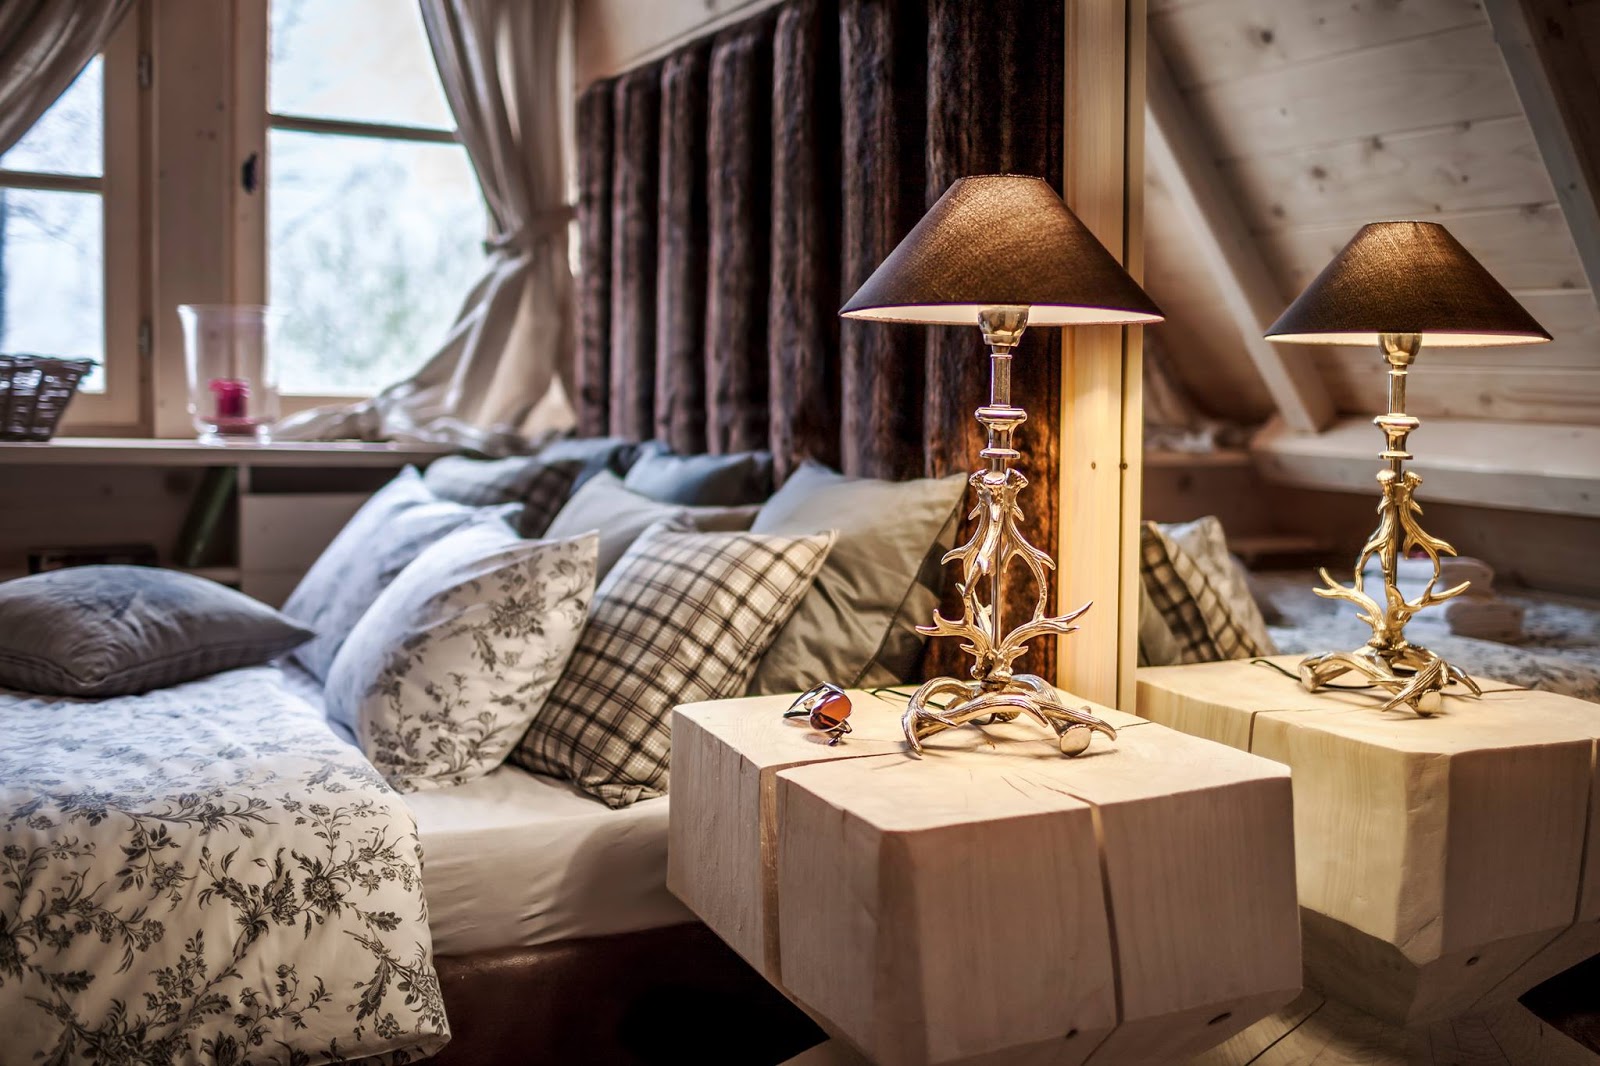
{"type": "Point", "coordinates": [375, 221]}
{"type": "Point", "coordinates": [69, 233]}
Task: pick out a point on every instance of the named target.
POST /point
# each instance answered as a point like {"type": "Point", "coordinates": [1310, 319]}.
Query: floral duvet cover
{"type": "Point", "coordinates": [207, 874]}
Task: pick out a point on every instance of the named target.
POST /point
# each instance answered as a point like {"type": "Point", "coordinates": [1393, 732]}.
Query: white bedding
{"type": "Point", "coordinates": [514, 859]}
{"type": "Point", "coordinates": [205, 873]}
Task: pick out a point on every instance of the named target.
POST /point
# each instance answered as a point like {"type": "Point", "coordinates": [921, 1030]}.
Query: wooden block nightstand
{"type": "Point", "coordinates": [994, 901]}
{"type": "Point", "coordinates": [1445, 865]}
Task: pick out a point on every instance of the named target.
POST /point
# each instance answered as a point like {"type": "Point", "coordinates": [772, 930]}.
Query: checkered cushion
{"type": "Point", "coordinates": [540, 485]}
{"type": "Point", "coordinates": [683, 617]}
{"type": "Point", "coordinates": [1197, 614]}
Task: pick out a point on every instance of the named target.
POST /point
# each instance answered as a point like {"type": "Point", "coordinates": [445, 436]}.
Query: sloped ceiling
{"type": "Point", "coordinates": [1326, 115]}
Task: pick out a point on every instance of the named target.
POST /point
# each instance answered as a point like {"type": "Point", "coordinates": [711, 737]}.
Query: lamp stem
{"type": "Point", "coordinates": [995, 692]}
{"type": "Point", "coordinates": [1413, 675]}
{"type": "Point", "coordinates": [1002, 332]}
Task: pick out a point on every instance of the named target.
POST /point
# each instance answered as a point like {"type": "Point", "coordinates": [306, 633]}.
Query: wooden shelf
{"type": "Point", "coordinates": [1222, 457]}
{"type": "Point", "coordinates": [129, 451]}
{"type": "Point", "coordinates": [1521, 466]}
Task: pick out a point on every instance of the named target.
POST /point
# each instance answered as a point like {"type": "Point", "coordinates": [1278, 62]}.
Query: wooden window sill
{"type": "Point", "coordinates": [134, 451]}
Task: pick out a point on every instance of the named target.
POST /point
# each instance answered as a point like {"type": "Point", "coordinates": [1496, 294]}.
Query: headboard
{"type": "Point", "coordinates": [733, 194]}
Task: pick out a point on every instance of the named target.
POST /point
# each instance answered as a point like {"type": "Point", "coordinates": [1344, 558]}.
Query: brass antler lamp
{"type": "Point", "coordinates": [1003, 252]}
{"type": "Point", "coordinates": [1400, 285]}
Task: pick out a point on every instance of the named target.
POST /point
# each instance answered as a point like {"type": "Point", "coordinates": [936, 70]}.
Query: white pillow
{"type": "Point", "coordinates": [390, 530]}
{"type": "Point", "coordinates": [441, 677]}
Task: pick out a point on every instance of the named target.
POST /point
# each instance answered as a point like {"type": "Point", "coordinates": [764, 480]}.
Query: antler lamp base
{"type": "Point", "coordinates": [994, 693]}
{"type": "Point", "coordinates": [1413, 675]}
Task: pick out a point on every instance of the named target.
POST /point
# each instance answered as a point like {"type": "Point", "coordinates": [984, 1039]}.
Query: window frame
{"type": "Point", "coordinates": [119, 188]}
{"type": "Point", "coordinates": [254, 122]}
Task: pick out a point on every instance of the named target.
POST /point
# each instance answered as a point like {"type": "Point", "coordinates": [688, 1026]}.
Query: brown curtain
{"type": "Point", "coordinates": [44, 46]}
{"type": "Point", "coordinates": [734, 193]}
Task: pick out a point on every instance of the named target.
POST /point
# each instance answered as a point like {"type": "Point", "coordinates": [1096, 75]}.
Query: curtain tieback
{"type": "Point", "coordinates": [536, 229]}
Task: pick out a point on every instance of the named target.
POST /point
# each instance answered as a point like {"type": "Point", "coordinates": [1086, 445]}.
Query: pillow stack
{"type": "Point", "coordinates": [448, 640]}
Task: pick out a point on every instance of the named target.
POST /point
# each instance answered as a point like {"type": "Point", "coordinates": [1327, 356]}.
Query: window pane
{"type": "Point", "coordinates": [374, 244]}
{"type": "Point", "coordinates": [67, 138]}
{"type": "Point", "coordinates": [52, 284]}
{"type": "Point", "coordinates": [362, 60]}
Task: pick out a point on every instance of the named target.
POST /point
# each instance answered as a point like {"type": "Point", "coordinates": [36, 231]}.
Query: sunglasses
{"type": "Point", "coordinates": [825, 708]}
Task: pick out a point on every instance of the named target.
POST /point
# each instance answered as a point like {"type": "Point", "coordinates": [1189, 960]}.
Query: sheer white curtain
{"type": "Point", "coordinates": [496, 379]}
{"type": "Point", "coordinates": [44, 45]}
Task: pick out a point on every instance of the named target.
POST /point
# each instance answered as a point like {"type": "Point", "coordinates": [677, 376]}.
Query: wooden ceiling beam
{"type": "Point", "coordinates": [1181, 158]}
{"type": "Point", "coordinates": [1554, 70]}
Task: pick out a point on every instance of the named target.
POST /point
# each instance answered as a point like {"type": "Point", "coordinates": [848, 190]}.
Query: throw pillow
{"type": "Point", "coordinates": [701, 480]}
{"type": "Point", "coordinates": [123, 630]}
{"type": "Point", "coordinates": [857, 626]}
{"type": "Point", "coordinates": [683, 617]}
{"type": "Point", "coordinates": [1204, 541]}
{"type": "Point", "coordinates": [540, 485]}
{"type": "Point", "coordinates": [1195, 613]}
{"type": "Point", "coordinates": [595, 454]}
{"type": "Point", "coordinates": [620, 515]}
{"type": "Point", "coordinates": [389, 531]}
{"type": "Point", "coordinates": [441, 677]}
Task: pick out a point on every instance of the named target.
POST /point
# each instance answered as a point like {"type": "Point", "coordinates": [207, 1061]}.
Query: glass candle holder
{"type": "Point", "coordinates": [233, 388]}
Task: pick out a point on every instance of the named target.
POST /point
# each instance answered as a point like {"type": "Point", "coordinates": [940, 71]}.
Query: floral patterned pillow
{"type": "Point", "coordinates": [441, 676]}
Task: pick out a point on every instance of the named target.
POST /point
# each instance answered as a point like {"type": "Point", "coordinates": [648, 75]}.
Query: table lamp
{"type": "Point", "coordinates": [1002, 252]}
{"type": "Point", "coordinates": [1400, 285]}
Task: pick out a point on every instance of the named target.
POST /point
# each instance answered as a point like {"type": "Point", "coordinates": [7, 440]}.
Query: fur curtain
{"type": "Point", "coordinates": [736, 192]}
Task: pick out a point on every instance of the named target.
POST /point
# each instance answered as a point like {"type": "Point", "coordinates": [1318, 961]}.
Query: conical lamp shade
{"type": "Point", "coordinates": [1406, 277]}
{"type": "Point", "coordinates": [1001, 240]}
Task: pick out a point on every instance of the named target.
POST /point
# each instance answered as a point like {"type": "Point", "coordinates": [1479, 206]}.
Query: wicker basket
{"type": "Point", "coordinates": [34, 391]}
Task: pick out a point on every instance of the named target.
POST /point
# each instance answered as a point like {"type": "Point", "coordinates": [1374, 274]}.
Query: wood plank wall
{"type": "Point", "coordinates": [1326, 116]}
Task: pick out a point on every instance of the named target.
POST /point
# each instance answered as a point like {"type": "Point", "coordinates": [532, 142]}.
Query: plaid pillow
{"type": "Point", "coordinates": [540, 485]}
{"type": "Point", "coordinates": [683, 617]}
{"type": "Point", "coordinates": [1197, 614]}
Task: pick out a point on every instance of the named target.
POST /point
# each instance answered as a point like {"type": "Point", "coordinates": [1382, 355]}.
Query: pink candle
{"type": "Point", "coordinates": [232, 397]}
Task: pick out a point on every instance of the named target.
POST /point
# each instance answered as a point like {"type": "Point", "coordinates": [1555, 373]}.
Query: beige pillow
{"type": "Point", "coordinates": [857, 625]}
{"type": "Point", "coordinates": [620, 515]}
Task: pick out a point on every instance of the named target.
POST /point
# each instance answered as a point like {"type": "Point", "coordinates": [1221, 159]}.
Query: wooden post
{"type": "Point", "coordinates": [1101, 411]}
{"type": "Point", "coordinates": [193, 44]}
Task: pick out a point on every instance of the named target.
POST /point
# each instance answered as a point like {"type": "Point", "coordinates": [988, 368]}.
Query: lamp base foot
{"type": "Point", "coordinates": [1414, 676]}
{"type": "Point", "coordinates": [999, 701]}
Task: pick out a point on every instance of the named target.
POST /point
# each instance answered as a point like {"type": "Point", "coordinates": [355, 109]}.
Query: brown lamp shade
{"type": "Point", "coordinates": [1001, 240]}
{"type": "Point", "coordinates": [1406, 277]}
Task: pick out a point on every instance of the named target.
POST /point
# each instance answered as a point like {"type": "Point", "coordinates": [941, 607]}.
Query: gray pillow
{"type": "Point", "coordinates": [391, 529]}
{"type": "Point", "coordinates": [123, 630]}
{"type": "Point", "coordinates": [615, 454]}
{"type": "Point", "coordinates": [541, 485]}
{"type": "Point", "coordinates": [857, 625]}
{"type": "Point", "coordinates": [620, 515]}
{"type": "Point", "coordinates": [701, 480]}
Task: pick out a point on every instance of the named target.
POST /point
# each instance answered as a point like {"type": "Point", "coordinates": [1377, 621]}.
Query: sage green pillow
{"type": "Point", "coordinates": [857, 625]}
